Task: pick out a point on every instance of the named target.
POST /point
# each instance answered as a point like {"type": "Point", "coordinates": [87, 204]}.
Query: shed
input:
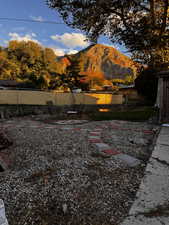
{"type": "Point", "coordinates": [163, 96]}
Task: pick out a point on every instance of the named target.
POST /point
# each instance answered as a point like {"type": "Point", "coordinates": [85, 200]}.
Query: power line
{"type": "Point", "coordinates": [30, 21]}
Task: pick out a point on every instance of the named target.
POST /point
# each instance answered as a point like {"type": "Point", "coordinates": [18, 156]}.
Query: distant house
{"type": "Point", "coordinates": [125, 86]}
{"type": "Point", "coordinates": [8, 84]}
{"type": "Point", "coordinates": [14, 85]}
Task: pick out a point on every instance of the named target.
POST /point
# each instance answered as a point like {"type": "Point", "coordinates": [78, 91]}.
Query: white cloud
{"type": "Point", "coordinates": [37, 18]}
{"type": "Point", "coordinates": [71, 40]}
{"type": "Point", "coordinates": [33, 34]}
{"type": "Point", "coordinates": [26, 37]}
{"type": "Point", "coordinates": [72, 51]}
{"type": "Point", "coordinates": [62, 51]}
{"type": "Point", "coordinates": [59, 51]}
{"type": "Point", "coordinates": [5, 42]}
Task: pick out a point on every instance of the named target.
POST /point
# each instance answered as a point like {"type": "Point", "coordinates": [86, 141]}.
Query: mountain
{"type": "Point", "coordinates": [39, 67]}
{"type": "Point", "coordinates": [104, 61]}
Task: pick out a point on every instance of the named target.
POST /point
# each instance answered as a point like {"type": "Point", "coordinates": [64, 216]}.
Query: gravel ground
{"type": "Point", "coordinates": [53, 178]}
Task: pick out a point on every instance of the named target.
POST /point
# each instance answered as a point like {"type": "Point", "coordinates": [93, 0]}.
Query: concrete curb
{"type": "Point", "coordinates": [151, 205]}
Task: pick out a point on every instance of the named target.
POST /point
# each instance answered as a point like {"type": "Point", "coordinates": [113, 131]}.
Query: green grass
{"type": "Point", "coordinates": [133, 115]}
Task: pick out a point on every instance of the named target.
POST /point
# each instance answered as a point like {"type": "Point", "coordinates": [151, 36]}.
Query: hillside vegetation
{"type": "Point", "coordinates": [38, 67]}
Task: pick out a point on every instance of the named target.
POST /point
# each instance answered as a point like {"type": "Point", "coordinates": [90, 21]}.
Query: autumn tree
{"type": "Point", "coordinates": [8, 69]}
{"type": "Point", "coordinates": [29, 62]}
{"type": "Point", "coordinates": [141, 25]}
{"type": "Point", "coordinates": [72, 77]}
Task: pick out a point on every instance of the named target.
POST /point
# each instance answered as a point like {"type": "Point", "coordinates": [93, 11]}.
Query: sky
{"type": "Point", "coordinates": [61, 38]}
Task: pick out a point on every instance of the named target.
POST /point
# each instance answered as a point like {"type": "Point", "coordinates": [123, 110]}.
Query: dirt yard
{"type": "Point", "coordinates": [73, 172]}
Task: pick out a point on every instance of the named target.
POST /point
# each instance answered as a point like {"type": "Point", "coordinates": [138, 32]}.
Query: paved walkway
{"type": "Point", "coordinates": [152, 200]}
{"type": "Point", "coordinates": [105, 150]}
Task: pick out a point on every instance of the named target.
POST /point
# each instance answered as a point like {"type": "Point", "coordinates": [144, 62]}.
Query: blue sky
{"type": "Point", "coordinates": [60, 37]}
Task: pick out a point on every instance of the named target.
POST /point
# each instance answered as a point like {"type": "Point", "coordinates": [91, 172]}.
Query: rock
{"type": "Point", "coordinates": [64, 207]}
{"type": "Point", "coordinates": [138, 141]}
{"type": "Point", "coordinates": [128, 160]}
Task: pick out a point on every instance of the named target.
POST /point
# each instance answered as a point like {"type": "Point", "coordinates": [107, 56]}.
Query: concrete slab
{"type": "Point", "coordinates": [66, 128]}
{"type": "Point", "coordinates": [100, 154]}
{"type": "Point", "coordinates": [164, 131]}
{"type": "Point", "coordinates": [161, 152]}
{"type": "Point", "coordinates": [111, 151]}
{"type": "Point", "coordinates": [153, 194]}
{"type": "Point", "coordinates": [31, 126]}
{"type": "Point", "coordinates": [128, 160]}
{"type": "Point", "coordinates": [154, 189]}
{"type": "Point", "coordinates": [102, 146]}
{"type": "Point", "coordinates": [163, 137]}
{"type": "Point", "coordinates": [163, 140]}
{"type": "Point", "coordinates": [95, 133]}
{"type": "Point", "coordinates": [142, 220]}
{"type": "Point", "coordinates": [3, 220]}
{"type": "Point", "coordinates": [157, 168]}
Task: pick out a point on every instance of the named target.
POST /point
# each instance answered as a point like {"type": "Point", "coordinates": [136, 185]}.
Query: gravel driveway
{"type": "Point", "coordinates": [58, 176]}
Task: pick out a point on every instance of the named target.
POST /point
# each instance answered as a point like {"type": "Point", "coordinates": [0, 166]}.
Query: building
{"type": "Point", "coordinates": [8, 84]}
{"type": "Point", "coordinates": [162, 101]}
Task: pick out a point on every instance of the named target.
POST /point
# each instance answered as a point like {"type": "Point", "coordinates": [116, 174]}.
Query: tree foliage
{"type": "Point", "coordinates": [72, 77]}
{"type": "Point", "coordinates": [141, 25]}
{"type": "Point", "coordinates": [37, 67]}
{"type": "Point", "coordinates": [146, 84]}
{"type": "Point", "coordinates": [31, 64]}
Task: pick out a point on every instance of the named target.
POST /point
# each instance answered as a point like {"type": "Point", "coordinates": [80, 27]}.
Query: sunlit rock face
{"type": "Point", "coordinates": [103, 62]}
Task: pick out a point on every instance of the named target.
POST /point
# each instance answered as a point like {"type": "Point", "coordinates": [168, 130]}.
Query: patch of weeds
{"type": "Point", "coordinates": [161, 210]}
{"type": "Point", "coordinates": [133, 115]}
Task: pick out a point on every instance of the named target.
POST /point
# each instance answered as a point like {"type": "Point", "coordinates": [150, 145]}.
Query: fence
{"type": "Point", "coordinates": [17, 97]}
